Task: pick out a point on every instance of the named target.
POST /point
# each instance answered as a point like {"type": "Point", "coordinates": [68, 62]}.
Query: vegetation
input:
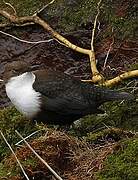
{"type": "Point", "coordinates": [122, 164]}
{"type": "Point", "coordinates": [98, 147]}
{"type": "Point", "coordinates": [101, 133]}
{"type": "Point", "coordinates": [11, 120]}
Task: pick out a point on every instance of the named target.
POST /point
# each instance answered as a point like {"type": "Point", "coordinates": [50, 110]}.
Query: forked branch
{"type": "Point", "coordinates": [97, 77]}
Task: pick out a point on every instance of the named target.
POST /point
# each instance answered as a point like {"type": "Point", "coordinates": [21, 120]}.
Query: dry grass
{"type": "Point", "coordinates": [71, 158]}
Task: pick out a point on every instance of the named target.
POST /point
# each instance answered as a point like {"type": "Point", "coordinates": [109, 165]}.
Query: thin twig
{"type": "Point", "coordinates": [51, 2]}
{"type": "Point", "coordinates": [98, 27]}
{"type": "Point", "coordinates": [39, 157]}
{"type": "Point", "coordinates": [14, 155]}
{"type": "Point", "coordinates": [5, 25]}
{"type": "Point", "coordinates": [60, 42]}
{"type": "Point", "coordinates": [108, 52]}
{"type": "Point", "coordinates": [29, 42]}
{"type": "Point", "coordinates": [28, 136]}
{"type": "Point", "coordinates": [96, 75]}
{"type": "Point", "coordinates": [15, 25]}
{"type": "Point", "coordinates": [94, 26]}
{"type": "Point", "coordinates": [15, 13]}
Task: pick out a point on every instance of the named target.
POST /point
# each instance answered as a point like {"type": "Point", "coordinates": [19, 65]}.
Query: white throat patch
{"type": "Point", "coordinates": [21, 93]}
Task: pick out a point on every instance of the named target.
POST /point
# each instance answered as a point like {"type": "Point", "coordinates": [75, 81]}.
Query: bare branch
{"type": "Point", "coordinates": [15, 19]}
{"type": "Point", "coordinates": [29, 136]}
{"type": "Point", "coordinates": [94, 26]}
{"type": "Point", "coordinates": [41, 22]}
{"type": "Point", "coordinates": [14, 10]}
{"type": "Point", "coordinates": [97, 77]}
{"type": "Point", "coordinates": [39, 157]}
{"type": "Point", "coordinates": [96, 74]}
{"type": "Point", "coordinates": [51, 2]}
{"type": "Point", "coordinates": [116, 80]}
{"type": "Point", "coordinates": [126, 75]}
{"type": "Point", "coordinates": [17, 25]}
{"type": "Point", "coordinates": [105, 61]}
{"type": "Point", "coordinates": [29, 42]}
{"type": "Point", "coordinates": [98, 27]}
{"type": "Point", "coordinates": [37, 20]}
{"type": "Point", "coordinates": [14, 155]}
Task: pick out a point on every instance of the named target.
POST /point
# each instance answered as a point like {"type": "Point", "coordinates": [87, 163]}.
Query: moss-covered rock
{"type": "Point", "coordinates": [108, 135]}
{"type": "Point", "coordinates": [122, 115]}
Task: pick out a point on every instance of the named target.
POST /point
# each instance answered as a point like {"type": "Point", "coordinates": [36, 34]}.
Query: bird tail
{"type": "Point", "coordinates": [112, 95]}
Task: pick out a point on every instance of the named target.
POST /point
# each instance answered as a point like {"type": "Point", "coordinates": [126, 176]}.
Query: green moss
{"type": "Point", "coordinates": [24, 7]}
{"type": "Point", "coordinates": [133, 67]}
{"type": "Point", "coordinates": [120, 115]}
{"type": "Point", "coordinates": [8, 172]}
{"type": "Point", "coordinates": [70, 15]}
{"type": "Point", "coordinates": [78, 13]}
{"type": "Point", "coordinates": [14, 169]}
{"type": "Point", "coordinates": [11, 120]}
{"type": "Point", "coordinates": [31, 161]}
{"type": "Point", "coordinates": [122, 164]}
{"type": "Point", "coordinates": [120, 17]}
{"type": "Point", "coordinates": [109, 134]}
{"type": "Point", "coordinates": [3, 171]}
{"type": "Point", "coordinates": [123, 114]}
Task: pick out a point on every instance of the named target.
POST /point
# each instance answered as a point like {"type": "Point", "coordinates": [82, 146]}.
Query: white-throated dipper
{"type": "Point", "coordinates": [54, 97]}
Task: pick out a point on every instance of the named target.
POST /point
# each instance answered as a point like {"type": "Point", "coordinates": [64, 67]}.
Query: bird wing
{"type": "Point", "coordinates": [60, 92]}
{"type": "Point", "coordinates": [65, 105]}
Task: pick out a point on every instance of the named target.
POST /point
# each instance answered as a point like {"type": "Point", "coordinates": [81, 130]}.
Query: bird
{"type": "Point", "coordinates": [54, 97]}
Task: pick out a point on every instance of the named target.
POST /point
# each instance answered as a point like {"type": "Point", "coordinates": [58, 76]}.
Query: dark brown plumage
{"type": "Point", "coordinates": [65, 99]}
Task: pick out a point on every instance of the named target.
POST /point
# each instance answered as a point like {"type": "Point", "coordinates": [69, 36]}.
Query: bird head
{"type": "Point", "coordinates": [14, 69]}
